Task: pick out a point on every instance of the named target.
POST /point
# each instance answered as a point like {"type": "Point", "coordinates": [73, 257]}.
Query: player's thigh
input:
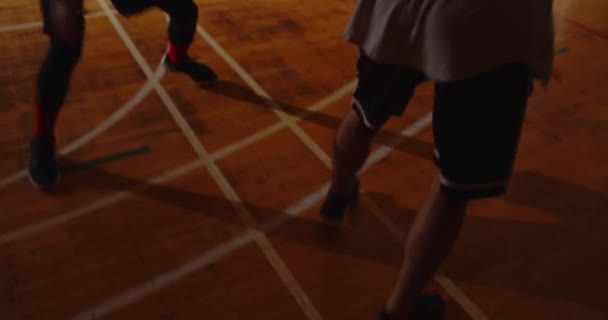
{"type": "Point", "coordinates": [171, 7]}
{"type": "Point", "coordinates": [477, 124]}
{"type": "Point", "coordinates": [131, 7]}
{"type": "Point", "coordinates": [383, 91]}
{"type": "Point", "coordinates": [64, 20]}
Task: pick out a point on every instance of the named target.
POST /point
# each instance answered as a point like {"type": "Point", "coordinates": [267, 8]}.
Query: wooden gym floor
{"type": "Point", "coordinates": [176, 199]}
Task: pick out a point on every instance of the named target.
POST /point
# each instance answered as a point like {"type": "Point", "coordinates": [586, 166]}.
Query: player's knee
{"type": "Point", "coordinates": [193, 8]}
{"type": "Point", "coordinates": [370, 124]}
{"type": "Point", "coordinates": [66, 23]}
{"type": "Point", "coordinates": [186, 12]}
{"type": "Point", "coordinates": [182, 12]}
{"type": "Point", "coordinates": [342, 152]}
{"type": "Point", "coordinates": [337, 149]}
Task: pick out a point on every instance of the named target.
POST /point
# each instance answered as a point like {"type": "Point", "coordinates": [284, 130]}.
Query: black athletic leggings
{"type": "Point", "coordinates": [64, 23]}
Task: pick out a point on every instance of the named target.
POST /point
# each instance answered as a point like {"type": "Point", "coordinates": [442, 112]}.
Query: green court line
{"type": "Point", "coordinates": [561, 50]}
{"type": "Point", "coordinates": [108, 159]}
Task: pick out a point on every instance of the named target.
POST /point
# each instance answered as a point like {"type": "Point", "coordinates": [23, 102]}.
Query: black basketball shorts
{"type": "Point", "coordinates": [476, 121]}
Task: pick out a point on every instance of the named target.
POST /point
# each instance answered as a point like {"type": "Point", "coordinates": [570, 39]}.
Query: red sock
{"type": "Point", "coordinates": [45, 122]}
{"type": "Point", "coordinates": [177, 54]}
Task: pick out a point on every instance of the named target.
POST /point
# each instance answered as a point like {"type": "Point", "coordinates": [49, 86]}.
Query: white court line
{"type": "Point", "coordinates": [278, 110]}
{"type": "Point", "coordinates": [321, 104]}
{"type": "Point", "coordinates": [101, 128]}
{"type": "Point", "coordinates": [395, 231]}
{"type": "Point", "coordinates": [465, 302]}
{"type": "Point", "coordinates": [20, 26]}
{"type": "Point", "coordinates": [260, 238]}
{"type": "Point", "coordinates": [167, 278]}
{"type": "Point", "coordinates": [38, 24]}
{"type": "Point", "coordinates": [97, 205]}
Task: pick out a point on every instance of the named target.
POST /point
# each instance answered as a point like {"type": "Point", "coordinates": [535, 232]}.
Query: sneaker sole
{"type": "Point", "coordinates": [351, 206]}
{"type": "Point", "coordinates": [42, 187]}
{"type": "Point", "coordinates": [170, 68]}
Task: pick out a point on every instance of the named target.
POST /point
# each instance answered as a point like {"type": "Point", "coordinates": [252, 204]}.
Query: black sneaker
{"type": "Point", "coordinates": [43, 171]}
{"type": "Point", "coordinates": [199, 72]}
{"type": "Point", "coordinates": [336, 204]}
{"type": "Point", "coordinates": [428, 307]}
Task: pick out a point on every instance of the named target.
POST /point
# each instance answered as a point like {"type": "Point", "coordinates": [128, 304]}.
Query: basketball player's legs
{"type": "Point", "coordinates": [383, 90]}
{"type": "Point", "coordinates": [64, 23]}
{"type": "Point", "coordinates": [183, 19]}
{"type": "Point", "coordinates": [476, 124]}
